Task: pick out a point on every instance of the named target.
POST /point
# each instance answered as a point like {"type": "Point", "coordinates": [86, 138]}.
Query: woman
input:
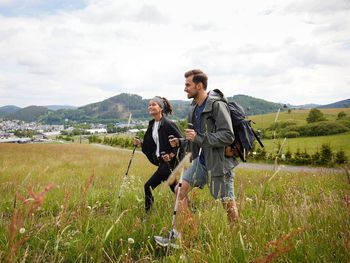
{"type": "Point", "coordinates": [157, 148]}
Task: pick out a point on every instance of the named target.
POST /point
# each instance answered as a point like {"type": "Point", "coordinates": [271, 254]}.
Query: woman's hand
{"type": "Point", "coordinates": [174, 142]}
{"type": "Point", "coordinates": [168, 157]}
{"type": "Point", "coordinates": [136, 141]}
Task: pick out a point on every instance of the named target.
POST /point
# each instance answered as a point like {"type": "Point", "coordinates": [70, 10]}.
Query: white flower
{"type": "Point", "coordinates": [22, 230]}
{"type": "Point", "coordinates": [89, 207]}
{"type": "Point", "coordinates": [254, 153]}
{"type": "Point", "coordinates": [131, 240]}
{"type": "Point", "coordinates": [249, 199]}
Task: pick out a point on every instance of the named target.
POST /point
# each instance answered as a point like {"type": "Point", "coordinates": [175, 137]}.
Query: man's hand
{"type": "Point", "coordinates": [174, 142]}
{"type": "Point", "coordinates": [136, 141]}
{"type": "Point", "coordinates": [190, 134]}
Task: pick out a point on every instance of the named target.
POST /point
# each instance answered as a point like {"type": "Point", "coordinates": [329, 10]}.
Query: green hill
{"type": "Point", "coordinates": [120, 106]}
{"type": "Point", "coordinates": [253, 106]}
{"type": "Point", "coordinates": [6, 110]}
{"type": "Point", "coordinates": [30, 113]}
{"type": "Point", "coordinates": [338, 104]}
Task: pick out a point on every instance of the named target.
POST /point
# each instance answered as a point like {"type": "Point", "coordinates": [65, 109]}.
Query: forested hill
{"type": "Point", "coordinates": [28, 114]}
{"type": "Point", "coordinates": [338, 104]}
{"type": "Point", "coordinates": [119, 107]}
{"type": "Point", "coordinates": [6, 110]}
{"type": "Point", "coordinates": [254, 106]}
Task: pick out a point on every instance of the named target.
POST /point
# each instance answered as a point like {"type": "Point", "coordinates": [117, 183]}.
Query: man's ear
{"type": "Point", "coordinates": [199, 86]}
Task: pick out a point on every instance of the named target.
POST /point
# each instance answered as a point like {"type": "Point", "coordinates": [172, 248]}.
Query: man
{"type": "Point", "coordinates": [208, 139]}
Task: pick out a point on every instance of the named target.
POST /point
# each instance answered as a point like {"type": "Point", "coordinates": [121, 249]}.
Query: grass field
{"type": "Point", "coordinates": [265, 120]}
{"type": "Point", "coordinates": [311, 144]}
{"type": "Point", "coordinates": [287, 217]}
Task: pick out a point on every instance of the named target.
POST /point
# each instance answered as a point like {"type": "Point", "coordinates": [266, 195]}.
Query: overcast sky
{"type": "Point", "coordinates": [76, 52]}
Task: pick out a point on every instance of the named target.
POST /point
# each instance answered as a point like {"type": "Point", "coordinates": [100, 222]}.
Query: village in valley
{"type": "Point", "coordinates": [18, 131]}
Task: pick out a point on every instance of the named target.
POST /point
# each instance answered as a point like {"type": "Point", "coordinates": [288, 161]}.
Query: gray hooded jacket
{"type": "Point", "coordinates": [218, 133]}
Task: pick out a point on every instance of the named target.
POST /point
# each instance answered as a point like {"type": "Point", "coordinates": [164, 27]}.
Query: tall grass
{"type": "Point", "coordinates": [288, 217]}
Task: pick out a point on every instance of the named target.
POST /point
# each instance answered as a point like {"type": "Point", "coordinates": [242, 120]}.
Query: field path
{"type": "Point", "coordinates": [259, 166]}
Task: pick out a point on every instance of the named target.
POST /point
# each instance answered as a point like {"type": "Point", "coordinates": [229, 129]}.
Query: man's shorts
{"type": "Point", "coordinates": [221, 187]}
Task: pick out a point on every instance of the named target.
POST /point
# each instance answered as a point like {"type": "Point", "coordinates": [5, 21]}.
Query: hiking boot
{"type": "Point", "coordinates": [165, 241]}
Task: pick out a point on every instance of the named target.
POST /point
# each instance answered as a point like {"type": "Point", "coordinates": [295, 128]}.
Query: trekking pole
{"type": "Point", "coordinates": [170, 137]}
{"type": "Point", "coordinates": [125, 176]}
{"type": "Point", "coordinates": [173, 231]}
{"type": "Point", "coordinates": [168, 164]}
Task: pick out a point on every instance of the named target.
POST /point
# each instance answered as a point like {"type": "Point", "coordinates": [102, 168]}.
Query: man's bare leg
{"type": "Point", "coordinates": [232, 211]}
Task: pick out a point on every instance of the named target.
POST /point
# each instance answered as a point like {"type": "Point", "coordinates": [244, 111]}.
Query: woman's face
{"type": "Point", "coordinates": [154, 108]}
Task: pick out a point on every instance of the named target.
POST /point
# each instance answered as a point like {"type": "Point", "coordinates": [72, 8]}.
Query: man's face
{"type": "Point", "coordinates": [191, 88]}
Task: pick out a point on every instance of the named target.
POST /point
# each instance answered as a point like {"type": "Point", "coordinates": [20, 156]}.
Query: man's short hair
{"type": "Point", "coordinates": [198, 77]}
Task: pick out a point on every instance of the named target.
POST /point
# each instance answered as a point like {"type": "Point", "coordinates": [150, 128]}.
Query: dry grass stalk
{"type": "Point", "coordinates": [347, 171]}
{"type": "Point", "coordinates": [63, 210]}
{"type": "Point", "coordinates": [87, 184]}
{"type": "Point", "coordinates": [279, 247]}
{"type": "Point", "coordinates": [17, 233]}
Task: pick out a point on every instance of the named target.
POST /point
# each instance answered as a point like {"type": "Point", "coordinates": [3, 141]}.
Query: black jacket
{"type": "Point", "coordinates": [166, 128]}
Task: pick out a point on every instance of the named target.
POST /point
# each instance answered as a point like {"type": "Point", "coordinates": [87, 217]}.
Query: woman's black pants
{"type": "Point", "coordinates": [159, 176]}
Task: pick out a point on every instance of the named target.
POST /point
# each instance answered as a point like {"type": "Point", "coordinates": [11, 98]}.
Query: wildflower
{"type": "Point", "coordinates": [89, 207]}
{"type": "Point", "coordinates": [22, 230]}
{"type": "Point", "coordinates": [131, 240]}
{"type": "Point", "coordinates": [254, 153]}
{"type": "Point", "coordinates": [249, 199]}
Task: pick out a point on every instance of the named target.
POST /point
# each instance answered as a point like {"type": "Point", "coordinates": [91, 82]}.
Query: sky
{"type": "Point", "coordinates": [76, 52]}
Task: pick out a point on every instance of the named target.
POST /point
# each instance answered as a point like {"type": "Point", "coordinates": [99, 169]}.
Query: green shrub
{"type": "Point", "coordinates": [320, 128]}
{"type": "Point", "coordinates": [282, 124]}
{"type": "Point", "coordinates": [315, 115]}
{"type": "Point", "coordinates": [301, 158]}
{"type": "Point", "coordinates": [341, 115]}
{"type": "Point", "coordinates": [345, 122]}
{"type": "Point", "coordinates": [291, 134]}
{"type": "Point", "coordinates": [340, 157]}
{"type": "Point", "coordinates": [326, 154]}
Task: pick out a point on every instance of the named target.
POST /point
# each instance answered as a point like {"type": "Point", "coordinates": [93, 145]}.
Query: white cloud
{"type": "Point", "coordinates": [263, 49]}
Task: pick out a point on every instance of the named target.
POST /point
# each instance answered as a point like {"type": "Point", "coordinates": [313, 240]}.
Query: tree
{"type": "Point", "coordinates": [315, 115]}
{"type": "Point", "coordinates": [341, 115]}
{"type": "Point", "coordinates": [341, 157]}
{"type": "Point", "coordinates": [326, 154]}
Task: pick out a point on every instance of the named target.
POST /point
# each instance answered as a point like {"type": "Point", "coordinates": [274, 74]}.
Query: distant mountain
{"type": "Point", "coordinates": [338, 104]}
{"type": "Point", "coordinates": [6, 110]}
{"type": "Point", "coordinates": [30, 113]}
{"type": "Point", "coordinates": [305, 106]}
{"type": "Point", "coordinates": [60, 107]}
{"type": "Point", "coordinates": [254, 106]}
{"type": "Point", "coordinates": [119, 107]}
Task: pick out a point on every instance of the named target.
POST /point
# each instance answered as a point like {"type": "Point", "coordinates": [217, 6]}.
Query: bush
{"type": "Point", "coordinates": [301, 158]}
{"type": "Point", "coordinates": [344, 122]}
{"type": "Point", "coordinates": [291, 134]}
{"type": "Point", "coordinates": [282, 124]}
{"type": "Point", "coordinates": [321, 128]}
{"type": "Point", "coordinates": [326, 154]}
{"type": "Point", "coordinates": [340, 157]}
{"type": "Point", "coordinates": [315, 115]}
{"type": "Point", "coordinates": [341, 115]}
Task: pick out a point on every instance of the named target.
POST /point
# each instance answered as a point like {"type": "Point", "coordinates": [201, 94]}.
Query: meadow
{"type": "Point", "coordinates": [263, 121]}
{"type": "Point", "coordinates": [59, 203]}
{"type": "Point", "coordinates": [311, 144]}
